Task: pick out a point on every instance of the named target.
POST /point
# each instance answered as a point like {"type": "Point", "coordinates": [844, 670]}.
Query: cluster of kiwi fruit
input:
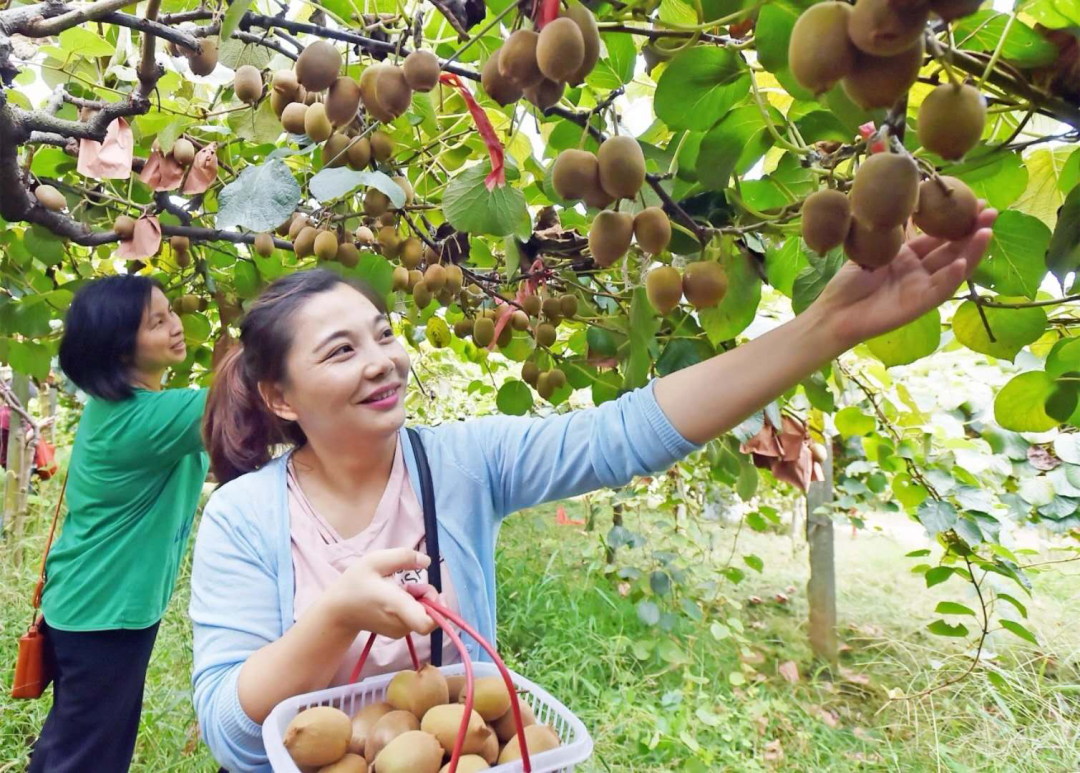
{"type": "Point", "coordinates": [703, 283]}
{"type": "Point", "coordinates": [539, 65]}
{"type": "Point", "coordinates": [201, 62]}
{"type": "Point", "coordinates": [542, 315]}
{"type": "Point", "coordinates": [435, 282]}
{"type": "Point", "coordinates": [415, 727]}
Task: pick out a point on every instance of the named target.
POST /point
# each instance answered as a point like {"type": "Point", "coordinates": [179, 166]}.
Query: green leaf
{"type": "Point", "coordinates": [851, 422]}
{"type": "Point", "coordinates": [333, 183]}
{"type": "Point", "coordinates": [235, 53]}
{"type": "Point", "coordinates": [246, 279]}
{"type": "Point", "coordinates": [514, 398]}
{"type": "Point", "coordinates": [621, 56]}
{"type": "Point", "coordinates": [754, 563]}
{"type": "Point", "coordinates": [699, 86]}
{"type": "Point", "coordinates": [470, 206]}
{"type": "Point", "coordinates": [952, 608]}
{"type": "Point", "coordinates": [1020, 405]}
{"type": "Point", "coordinates": [1064, 357]}
{"type": "Point", "coordinates": [773, 34]}
{"type": "Point", "coordinates": [1063, 253]}
{"type": "Point", "coordinates": [998, 177]}
{"type": "Point", "coordinates": [1068, 179]}
{"type": "Point", "coordinates": [739, 306]}
{"type": "Point", "coordinates": [167, 137]}
{"type": "Point", "coordinates": [1043, 197]}
{"type": "Point", "coordinates": [812, 279]}
{"type": "Point", "coordinates": [1014, 601]}
{"type": "Point", "coordinates": [818, 393]}
{"type": "Point", "coordinates": [648, 612]}
{"type": "Point", "coordinates": [677, 12]}
{"type": "Point", "coordinates": [44, 245]}
{"type": "Point", "coordinates": [1015, 262]}
{"type": "Point", "coordinates": [1023, 47]}
{"type": "Point", "coordinates": [260, 126]}
{"type": "Point", "coordinates": [80, 41]}
{"type": "Point", "coordinates": [643, 327]}
{"type": "Point", "coordinates": [820, 125]}
{"type": "Point", "coordinates": [196, 329]}
{"type": "Point", "coordinates": [260, 199]}
{"type": "Point", "coordinates": [1013, 329]}
{"type": "Point", "coordinates": [1018, 630]}
{"type": "Point", "coordinates": [941, 628]}
{"type": "Point", "coordinates": [734, 145]}
{"type": "Point", "coordinates": [682, 353]}
{"type": "Point", "coordinates": [660, 582]}
{"type": "Point", "coordinates": [747, 484]}
{"type": "Point", "coordinates": [1052, 13]}
{"type": "Point", "coordinates": [911, 342]}
{"type": "Point", "coordinates": [936, 516]}
{"type": "Point", "coordinates": [236, 12]}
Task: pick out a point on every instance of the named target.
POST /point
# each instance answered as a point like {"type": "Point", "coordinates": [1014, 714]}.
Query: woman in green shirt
{"type": "Point", "coordinates": [136, 472]}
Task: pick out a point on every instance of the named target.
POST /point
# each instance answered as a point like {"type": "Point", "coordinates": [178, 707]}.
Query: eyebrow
{"type": "Point", "coordinates": [345, 333]}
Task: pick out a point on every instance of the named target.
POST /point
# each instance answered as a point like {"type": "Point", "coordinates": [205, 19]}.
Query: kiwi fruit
{"type": "Point", "coordinates": [530, 374]}
{"type": "Point", "coordinates": [871, 246]}
{"type": "Point", "coordinates": [504, 726]}
{"type": "Point", "coordinates": [382, 146]}
{"type": "Point", "coordinates": [532, 305]}
{"type": "Point", "coordinates": [495, 84]}
{"type": "Point", "coordinates": [180, 244]}
{"type": "Point", "coordinates": [610, 236]}
{"type": "Point", "coordinates": [368, 94]}
{"type": "Point", "coordinates": [422, 296]}
{"type": "Point", "coordinates": [316, 124]}
{"type": "Point", "coordinates": [517, 59]}
{"type": "Point", "coordinates": [285, 83]}
{"type": "Point", "coordinates": [545, 94]}
{"type": "Point", "coordinates": [881, 28]}
{"type": "Point", "coordinates": [318, 66]}
{"type": "Point", "coordinates": [389, 241]}
{"type": "Point", "coordinates": [183, 152]}
{"type": "Point", "coordinates": [123, 225]}
{"type": "Point", "coordinates": [574, 172]}
{"type": "Point", "coordinates": [519, 320]}
{"type": "Point", "coordinates": [410, 252]}
{"type": "Point", "coordinates": [334, 153]}
{"type": "Point", "coordinates": [597, 197]}
{"type": "Point", "coordinates": [455, 277]}
{"type": "Point", "coordinates": [187, 304]}
{"type": "Point", "coordinates": [392, 90]}
{"type": "Point", "coordinates": [569, 306]}
{"type": "Point", "coordinates": [411, 752]}
{"type": "Point", "coordinates": [506, 335]}
{"type": "Point", "coordinates": [364, 236]}
{"type": "Point", "coordinates": [348, 255]}
{"type": "Point", "coordinates": [951, 120]}
{"type": "Point", "coordinates": [342, 101]}
{"type": "Point", "coordinates": [297, 225]}
{"type": "Point", "coordinates": [386, 728]}
{"type": "Point", "coordinates": [247, 84]}
{"type": "Point", "coordinates": [326, 245]}
{"type": "Point", "coordinates": [421, 70]}
{"type": "Point", "coordinates": [885, 190]}
{"type": "Point", "coordinates": [278, 103]}
{"type": "Point", "coordinates": [483, 335]}
{"type": "Point", "coordinates": [52, 199]}
{"type": "Point", "coordinates": [560, 49]}
{"type": "Point", "coordinates": [557, 379]}
{"type": "Point", "coordinates": [416, 276]}
{"type": "Point", "coordinates": [388, 218]}
{"type": "Point", "coordinates": [359, 154]}
{"type": "Point", "coordinates": [375, 202]}
{"type": "Point", "coordinates": [878, 81]}
{"type": "Point", "coordinates": [304, 243]}
{"type": "Point", "coordinates": [590, 36]}
{"type": "Point", "coordinates": [552, 308]}
{"type": "Point", "coordinates": [622, 166]}
{"type": "Point", "coordinates": [435, 277]}
{"type": "Point", "coordinates": [309, 98]}
{"type": "Point", "coordinates": [545, 336]}
{"type": "Point", "coordinates": [704, 284]}
{"type": "Point", "coordinates": [538, 739]}
{"type": "Point", "coordinates": [947, 208]}
{"type": "Point", "coordinates": [467, 763]}
{"type": "Point", "coordinates": [264, 244]}
{"type": "Point", "coordinates": [318, 736]}
{"type": "Point", "coordinates": [401, 278]}
{"type": "Point", "coordinates": [663, 286]}
{"type": "Point", "coordinates": [350, 763]}
{"type": "Point", "coordinates": [826, 218]}
{"type": "Point", "coordinates": [820, 52]}
{"type": "Point", "coordinates": [652, 230]}
{"type": "Point", "coordinates": [950, 10]}
{"type": "Point", "coordinates": [444, 722]}
{"type": "Point", "coordinates": [204, 62]}
{"type": "Point", "coordinates": [406, 188]}
{"type": "Point", "coordinates": [292, 117]}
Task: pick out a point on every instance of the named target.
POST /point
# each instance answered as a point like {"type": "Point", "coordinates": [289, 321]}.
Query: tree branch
{"type": "Point", "coordinates": [73, 18]}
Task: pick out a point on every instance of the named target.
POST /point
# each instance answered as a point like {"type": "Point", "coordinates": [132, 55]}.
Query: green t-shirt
{"type": "Point", "coordinates": [136, 472]}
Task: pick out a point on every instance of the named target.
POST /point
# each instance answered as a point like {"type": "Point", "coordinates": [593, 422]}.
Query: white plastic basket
{"type": "Point", "coordinates": [577, 744]}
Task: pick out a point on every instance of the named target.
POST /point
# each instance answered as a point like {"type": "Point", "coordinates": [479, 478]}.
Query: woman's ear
{"type": "Point", "coordinates": [274, 399]}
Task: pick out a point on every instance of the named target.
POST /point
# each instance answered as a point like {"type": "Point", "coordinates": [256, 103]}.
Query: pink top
{"type": "Point", "coordinates": [320, 556]}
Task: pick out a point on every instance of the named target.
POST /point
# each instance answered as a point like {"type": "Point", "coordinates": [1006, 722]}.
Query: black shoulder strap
{"type": "Point", "coordinates": [431, 533]}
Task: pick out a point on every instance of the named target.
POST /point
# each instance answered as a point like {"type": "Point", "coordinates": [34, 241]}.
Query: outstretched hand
{"type": "Point", "coordinates": [927, 271]}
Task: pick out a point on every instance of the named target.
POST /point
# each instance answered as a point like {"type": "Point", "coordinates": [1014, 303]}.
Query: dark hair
{"type": "Point", "coordinates": [239, 431]}
{"type": "Point", "coordinates": [101, 329]}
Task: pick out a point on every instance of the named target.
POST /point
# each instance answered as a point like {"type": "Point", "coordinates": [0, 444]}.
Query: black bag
{"type": "Point", "coordinates": [431, 533]}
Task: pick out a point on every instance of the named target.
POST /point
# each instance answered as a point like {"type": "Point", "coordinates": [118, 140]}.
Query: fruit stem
{"type": "Point", "coordinates": [982, 312]}
{"type": "Point", "coordinates": [997, 52]}
{"type": "Point", "coordinates": [781, 141]}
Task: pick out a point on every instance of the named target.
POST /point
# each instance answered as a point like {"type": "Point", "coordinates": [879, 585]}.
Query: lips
{"type": "Point", "coordinates": [383, 394]}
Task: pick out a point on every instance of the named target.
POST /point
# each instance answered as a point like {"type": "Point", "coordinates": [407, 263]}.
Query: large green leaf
{"type": "Point", "coordinates": [471, 207]}
{"type": "Point", "coordinates": [737, 310]}
{"type": "Point", "coordinates": [812, 279]}
{"type": "Point", "coordinates": [260, 126]}
{"type": "Point", "coordinates": [82, 41]}
{"type": "Point", "coordinates": [735, 144]}
{"type": "Point", "coordinates": [1053, 13]}
{"type": "Point", "coordinates": [1020, 405]}
{"type": "Point", "coordinates": [937, 516]}
{"type": "Point", "coordinates": [643, 327]}
{"type": "Point", "coordinates": [1013, 329]}
{"type": "Point", "coordinates": [1024, 47]}
{"type": "Point", "coordinates": [911, 342]}
{"type": "Point", "coordinates": [1015, 263]}
{"type": "Point", "coordinates": [237, 9]}
{"type": "Point", "coordinates": [260, 199]}
{"type": "Point", "coordinates": [783, 264]}
{"type": "Point", "coordinates": [333, 183]}
{"type": "Point", "coordinates": [852, 422]}
{"type": "Point", "coordinates": [1043, 196]}
{"type": "Point", "coordinates": [1063, 358]}
{"type": "Point", "coordinates": [699, 86]}
{"type": "Point", "coordinates": [998, 177]}
{"type": "Point", "coordinates": [1063, 253]}
{"type": "Point", "coordinates": [773, 33]}
{"type": "Point", "coordinates": [514, 398]}
{"type": "Point", "coordinates": [617, 68]}
{"type": "Point", "coordinates": [30, 358]}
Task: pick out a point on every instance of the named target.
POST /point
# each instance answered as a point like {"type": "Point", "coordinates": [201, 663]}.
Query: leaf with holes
{"type": "Point", "coordinates": [941, 628]}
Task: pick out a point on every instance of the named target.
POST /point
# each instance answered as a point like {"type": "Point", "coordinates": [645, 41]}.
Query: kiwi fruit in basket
{"type": "Point", "coordinates": [468, 763]}
{"type": "Point", "coordinates": [386, 729]}
{"type": "Point", "coordinates": [504, 726]}
{"type": "Point", "coordinates": [350, 763]}
{"type": "Point", "coordinates": [444, 722]}
{"type": "Point", "coordinates": [363, 721]}
{"type": "Point", "coordinates": [490, 697]}
{"type": "Point", "coordinates": [411, 752]}
{"type": "Point", "coordinates": [538, 738]}
{"type": "Point", "coordinates": [318, 736]}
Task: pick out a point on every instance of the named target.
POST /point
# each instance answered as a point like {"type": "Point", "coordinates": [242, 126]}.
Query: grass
{"type": "Point", "coordinates": [657, 700]}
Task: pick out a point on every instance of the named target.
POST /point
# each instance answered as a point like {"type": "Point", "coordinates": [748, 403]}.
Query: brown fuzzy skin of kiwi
{"type": "Point", "coordinates": [50, 198]}
{"type": "Point", "coordinates": [435, 278]}
{"type": "Point", "coordinates": [318, 66]}
{"type": "Point", "coordinates": [326, 245]}
{"type": "Point", "coordinates": [568, 304]}
{"type": "Point", "coordinates": [462, 329]}
{"type": "Point", "coordinates": [546, 94]}
{"type": "Point", "coordinates": [467, 763]}
{"type": "Point", "coordinates": [350, 763]}
{"type": "Point", "coordinates": [590, 35]}
{"type": "Point", "coordinates": [401, 278]}
{"type": "Point", "coordinates": [410, 252]}
{"type": "Point", "coordinates": [552, 308]}
{"type": "Point", "coordinates": [422, 70]}
{"type": "Point", "coordinates": [296, 225]}
{"type": "Point", "coordinates": [278, 102]}
{"type": "Point", "coordinates": [950, 10]}
{"type": "Point", "coordinates": [497, 86]}
{"type": "Point", "coordinates": [872, 247]}
{"type": "Point", "coordinates": [334, 152]}
{"type": "Point", "coordinates": [947, 212]}
{"type": "Point", "coordinates": [444, 722]}
{"type": "Point", "coordinates": [704, 284]}
{"type": "Point", "coordinates": [454, 278]}
{"type": "Point", "coordinates": [820, 52]}
{"type": "Point", "coordinates": [247, 84]}
{"type": "Point", "coordinates": [316, 124]}
{"type": "Point", "coordinates": [622, 166]}
{"type": "Point", "coordinates": [532, 305]}
{"type": "Point", "coordinates": [412, 752]}
{"type": "Point", "coordinates": [304, 243]}
{"type": "Point", "coordinates": [386, 729]}
{"type": "Point", "coordinates": [180, 244]}
{"type": "Point", "coordinates": [183, 152]}
{"type": "Point", "coordinates": [382, 146]}
{"type": "Point", "coordinates": [663, 287]}
{"type": "Point", "coordinates": [124, 226]}
{"type": "Point", "coordinates": [375, 202]}
{"type": "Point", "coordinates": [359, 154]}
{"type": "Point", "coordinates": [951, 120]}
{"type": "Point", "coordinates": [652, 229]}
{"type": "Point", "coordinates": [367, 93]}
{"type": "Point", "coordinates": [574, 172]}
{"type": "Point", "coordinates": [560, 49]}
{"type": "Point", "coordinates": [545, 336]}
{"type": "Point", "coordinates": [530, 374]}
{"type": "Point", "coordinates": [348, 255]}
{"type": "Point", "coordinates": [392, 90]}
{"type": "Point", "coordinates": [519, 320]}
{"type": "Point", "coordinates": [878, 81]}
{"type": "Point", "coordinates": [885, 190]}
{"type": "Point", "coordinates": [264, 244]}
{"type": "Point", "coordinates": [504, 726]}
{"type": "Point", "coordinates": [318, 736]}
{"type": "Point", "coordinates": [483, 335]}
{"type": "Point", "coordinates": [826, 219]}
{"type": "Point", "coordinates": [610, 236]}
{"type": "Point", "coordinates": [879, 28]}
{"type": "Point", "coordinates": [538, 738]}
{"type": "Point", "coordinates": [389, 241]}
{"type": "Point", "coordinates": [292, 117]}
{"type": "Point", "coordinates": [342, 101]}
{"type": "Point", "coordinates": [517, 59]}
{"type": "Point", "coordinates": [544, 387]}
{"type": "Point", "coordinates": [286, 83]}
{"type": "Point", "coordinates": [204, 62]}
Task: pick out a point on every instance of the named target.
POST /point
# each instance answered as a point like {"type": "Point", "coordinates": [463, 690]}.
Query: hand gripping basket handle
{"type": "Point", "coordinates": [443, 617]}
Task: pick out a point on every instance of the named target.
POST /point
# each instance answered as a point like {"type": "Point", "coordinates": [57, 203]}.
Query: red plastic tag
{"type": "Point", "coordinates": [497, 177]}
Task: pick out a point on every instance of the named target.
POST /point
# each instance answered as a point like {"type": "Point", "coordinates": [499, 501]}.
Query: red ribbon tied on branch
{"type": "Point", "coordinates": [549, 12]}
{"type": "Point", "coordinates": [497, 177]}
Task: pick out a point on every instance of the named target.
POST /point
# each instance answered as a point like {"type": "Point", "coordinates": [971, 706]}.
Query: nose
{"type": "Point", "coordinates": [377, 364]}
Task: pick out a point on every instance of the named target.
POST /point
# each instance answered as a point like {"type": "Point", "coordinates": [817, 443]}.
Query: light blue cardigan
{"type": "Point", "coordinates": [482, 470]}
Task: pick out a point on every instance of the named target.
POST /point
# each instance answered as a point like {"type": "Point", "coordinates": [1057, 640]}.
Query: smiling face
{"type": "Point", "coordinates": [160, 340]}
{"type": "Point", "coordinates": [346, 371]}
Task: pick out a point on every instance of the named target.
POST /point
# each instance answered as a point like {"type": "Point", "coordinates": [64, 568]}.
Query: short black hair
{"type": "Point", "coordinates": [101, 329]}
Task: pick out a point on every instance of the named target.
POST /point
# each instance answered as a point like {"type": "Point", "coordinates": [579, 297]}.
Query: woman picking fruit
{"type": "Point", "coordinates": [136, 471]}
{"type": "Point", "coordinates": [283, 585]}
